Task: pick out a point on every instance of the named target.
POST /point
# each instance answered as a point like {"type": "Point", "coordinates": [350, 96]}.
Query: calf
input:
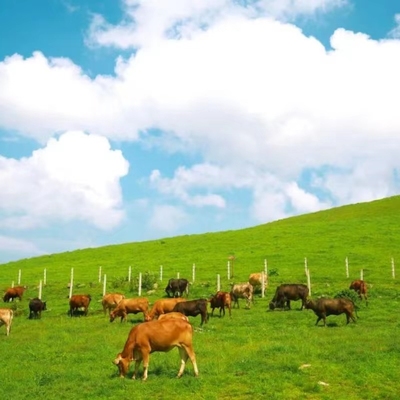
{"type": "Point", "coordinates": [192, 308]}
{"type": "Point", "coordinates": [110, 301]}
{"type": "Point", "coordinates": [130, 306]}
{"type": "Point", "coordinates": [14, 293]}
{"type": "Point", "coordinates": [324, 307]}
{"type": "Point", "coordinates": [221, 300]}
{"type": "Point", "coordinates": [79, 301]}
{"type": "Point", "coordinates": [161, 335]}
{"type": "Point", "coordinates": [360, 287]}
{"type": "Point", "coordinates": [162, 306]}
{"type": "Point", "coordinates": [6, 317]}
{"type": "Point", "coordinates": [176, 287]}
{"type": "Point", "coordinates": [243, 291]}
{"type": "Point", "coordinates": [36, 306]}
{"type": "Point", "coordinates": [288, 292]}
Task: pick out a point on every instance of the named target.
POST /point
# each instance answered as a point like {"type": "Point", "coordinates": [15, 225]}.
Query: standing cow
{"type": "Point", "coordinates": [177, 287]}
{"type": "Point", "coordinates": [36, 306]}
{"type": "Point", "coordinates": [161, 335]}
{"type": "Point", "coordinates": [287, 292]}
{"type": "Point", "coordinates": [324, 307]}
{"type": "Point", "coordinates": [6, 317]}
{"type": "Point", "coordinates": [243, 291]}
{"type": "Point", "coordinates": [255, 279]}
{"type": "Point", "coordinates": [78, 301]}
{"type": "Point", "coordinates": [360, 287]}
{"type": "Point", "coordinates": [14, 293]}
{"type": "Point", "coordinates": [110, 301]}
{"type": "Point", "coordinates": [192, 308]}
{"type": "Point", "coordinates": [221, 300]}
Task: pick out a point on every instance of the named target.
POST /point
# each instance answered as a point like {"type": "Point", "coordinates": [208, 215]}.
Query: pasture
{"type": "Point", "coordinates": [255, 354]}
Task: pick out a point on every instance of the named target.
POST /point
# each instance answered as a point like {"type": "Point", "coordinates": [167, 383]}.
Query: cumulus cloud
{"type": "Point", "coordinates": [75, 177]}
{"type": "Point", "coordinates": [253, 97]}
{"type": "Point", "coordinates": [395, 32]}
{"type": "Point", "coordinates": [147, 22]}
{"type": "Point", "coordinates": [167, 218]}
{"type": "Point", "coordinates": [9, 244]}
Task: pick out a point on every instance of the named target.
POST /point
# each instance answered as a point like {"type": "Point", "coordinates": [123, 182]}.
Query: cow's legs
{"type": "Point", "coordinates": [190, 352]}
{"type": "Point", "coordinates": [137, 365]}
{"type": "Point", "coordinates": [146, 358]}
{"type": "Point", "coordinates": [318, 319]}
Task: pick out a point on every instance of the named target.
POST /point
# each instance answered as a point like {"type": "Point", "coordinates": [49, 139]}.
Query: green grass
{"type": "Point", "coordinates": [255, 354]}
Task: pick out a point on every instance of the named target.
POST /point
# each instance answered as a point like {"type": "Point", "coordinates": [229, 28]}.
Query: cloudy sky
{"type": "Point", "coordinates": [133, 120]}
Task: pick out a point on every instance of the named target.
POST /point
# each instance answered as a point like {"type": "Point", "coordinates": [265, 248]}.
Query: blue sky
{"type": "Point", "coordinates": [133, 120]}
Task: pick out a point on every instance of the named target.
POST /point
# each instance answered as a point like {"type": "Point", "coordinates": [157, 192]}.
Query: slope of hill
{"type": "Point", "coordinates": [367, 234]}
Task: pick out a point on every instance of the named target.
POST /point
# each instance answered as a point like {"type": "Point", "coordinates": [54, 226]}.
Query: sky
{"type": "Point", "coordinates": [133, 120]}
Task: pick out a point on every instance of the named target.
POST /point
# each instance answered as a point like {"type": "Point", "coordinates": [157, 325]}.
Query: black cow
{"type": "Point", "coordinates": [192, 308]}
{"type": "Point", "coordinates": [324, 307]}
{"type": "Point", "coordinates": [287, 292]}
{"type": "Point", "coordinates": [36, 306]}
{"type": "Point", "coordinates": [176, 287]}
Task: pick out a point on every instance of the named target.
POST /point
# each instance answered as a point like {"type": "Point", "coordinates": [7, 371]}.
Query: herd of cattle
{"type": "Point", "coordinates": [166, 325]}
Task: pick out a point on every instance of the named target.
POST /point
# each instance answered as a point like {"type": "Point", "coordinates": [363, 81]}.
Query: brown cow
{"type": "Point", "coordinates": [192, 308]}
{"type": "Point", "coordinates": [13, 293]}
{"type": "Point", "coordinates": [110, 301]}
{"type": "Point", "coordinates": [174, 314]}
{"type": "Point", "coordinates": [79, 301]}
{"type": "Point", "coordinates": [288, 292]}
{"type": "Point", "coordinates": [161, 335]}
{"type": "Point", "coordinates": [130, 306]}
{"type": "Point", "coordinates": [162, 306]}
{"type": "Point", "coordinates": [243, 291]}
{"type": "Point", "coordinates": [255, 280]}
{"type": "Point", "coordinates": [324, 307]}
{"type": "Point", "coordinates": [360, 287]}
{"type": "Point", "coordinates": [221, 300]}
{"type": "Point", "coordinates": [6, 317]}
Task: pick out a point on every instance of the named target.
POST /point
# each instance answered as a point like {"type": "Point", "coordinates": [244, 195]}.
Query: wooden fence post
{"type": "Point", "coordinates": [140, 284]}
{"type": "Point", "coordinates": [71, 283]}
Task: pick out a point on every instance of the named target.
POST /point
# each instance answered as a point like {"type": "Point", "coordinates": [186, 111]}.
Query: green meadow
{"type": "Point", "coordinates": [256, 354]}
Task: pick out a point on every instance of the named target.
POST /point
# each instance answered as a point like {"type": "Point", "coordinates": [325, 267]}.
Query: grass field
{"type": "Point", "coordinates": [257, 353]}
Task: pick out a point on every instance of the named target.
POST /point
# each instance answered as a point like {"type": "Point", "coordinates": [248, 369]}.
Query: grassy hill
{"type": "Point", "coordinates": [258, 353]}
{"type": "Point", "coordinates": [368, 234]}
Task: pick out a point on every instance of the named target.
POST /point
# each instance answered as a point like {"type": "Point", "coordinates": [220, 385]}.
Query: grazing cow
{"type": "Point", "coordinates": [174, 315]}
{"type": "Point", "coordinates": [287, 292]}
{"type": "Point", "coordinates": [6, 317]}
{"type": "Point", "coordinates": [192, 308]}
{"type": "Point", "coordinates": [13, 293]}
{"type": "Point", "coordinates": [162, 306]}
{"type": "Point", "coordinates": [130, 306]}
{"type": "Point", "coordinates": [176, 287]}
{"type": "Point", "coordinates": [324, 307]}
{"type": "Point", "coordinates": [161, 335]}
{"type": "Point", "coordinates": [360, 287]}
{"type": "Point", "coordinates": [36, 306]}
{"type": "Point", "coordinates": [110, 301]}
{"type": "Point", "coordinates": [79, 301]}
{"type": "Point", "coordinates": [243, 291]}
{"type": "Point", "coordinates": [255, 280]}
{"type": "Point", "coordinates": [221, 300]}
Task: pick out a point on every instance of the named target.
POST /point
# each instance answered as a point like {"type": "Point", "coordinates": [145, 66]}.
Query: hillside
{"type": "Point", "coordinates": [367, 233]}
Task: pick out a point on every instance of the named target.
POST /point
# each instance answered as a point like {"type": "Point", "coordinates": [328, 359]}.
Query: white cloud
{"type": "Point", "coordinates": [167, 218]}
{"type": "Point", "coordinates": [75, 177]}
{"type": "Point", "coordinates": [395, 32]}
{"type": "Point", "coordinates": [147, 22]}
{"type": "Point", "coordinates": [9, 244]}
{"type": "Point", "coordinates": [253, 98]}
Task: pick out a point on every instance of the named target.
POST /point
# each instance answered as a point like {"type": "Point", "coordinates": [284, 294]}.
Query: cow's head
{"type": "Point", "coordinates": [112, 316]}
{"type": "Point", "coordinates": [272, 305]}
{"type": "Point", "coordinates": [122, 364]}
